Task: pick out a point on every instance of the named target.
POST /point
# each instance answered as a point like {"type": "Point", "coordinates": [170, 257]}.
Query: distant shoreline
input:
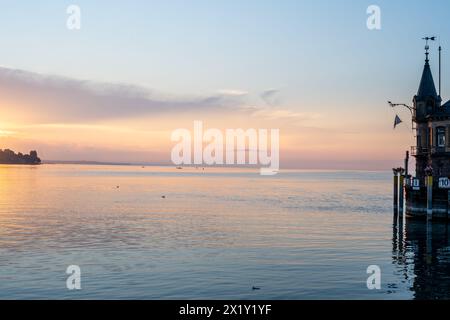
{"type": "Point", "coordinates": [131, 164]}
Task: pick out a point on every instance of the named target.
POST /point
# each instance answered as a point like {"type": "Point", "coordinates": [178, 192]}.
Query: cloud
{"type": "Point", "coordinates": [6, 133]}
{"type": "Point", "coordinates": [59, 99]}
{"type": "Point", "coordinates": [233, 92]}
{"type": "Point", "coordinates": [271, 97]}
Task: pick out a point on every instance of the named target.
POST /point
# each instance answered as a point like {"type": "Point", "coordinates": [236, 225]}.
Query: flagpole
{"type": "Point", "coordinates": [440, 49]}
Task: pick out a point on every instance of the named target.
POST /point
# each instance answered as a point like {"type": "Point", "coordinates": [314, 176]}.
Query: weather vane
{"type": "Point", "coordinates": [427, 47]}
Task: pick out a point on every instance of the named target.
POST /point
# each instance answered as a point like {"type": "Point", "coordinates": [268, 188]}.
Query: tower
{"type": "Point", "coordinates": [432, 121]}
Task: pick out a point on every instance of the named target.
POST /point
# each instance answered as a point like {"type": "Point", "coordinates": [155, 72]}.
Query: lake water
{"type": "Point", "coordinates": [215, 235]}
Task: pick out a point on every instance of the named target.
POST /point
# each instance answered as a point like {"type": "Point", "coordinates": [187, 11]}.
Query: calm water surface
{"type": "Point", "coordinates": [215, 235]}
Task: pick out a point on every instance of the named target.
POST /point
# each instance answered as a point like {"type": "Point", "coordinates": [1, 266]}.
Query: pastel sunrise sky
{"type": "Point", "coordinates": [137, 70]}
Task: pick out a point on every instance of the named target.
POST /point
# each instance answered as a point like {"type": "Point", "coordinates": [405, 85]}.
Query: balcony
{"type": "Point", "coordinates": [419, 151]}
{"type": "Point", "coordinates": [423, 151]}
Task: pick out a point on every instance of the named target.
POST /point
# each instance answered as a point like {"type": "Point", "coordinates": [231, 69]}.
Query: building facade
{"type": "Point", "coordinates": [431, 119]}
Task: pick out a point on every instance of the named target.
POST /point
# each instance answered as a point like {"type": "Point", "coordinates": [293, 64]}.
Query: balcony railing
{"type": "Point", "coordinates": [423, 151]}
{"type": "Point", "coordinates": [419, 151]}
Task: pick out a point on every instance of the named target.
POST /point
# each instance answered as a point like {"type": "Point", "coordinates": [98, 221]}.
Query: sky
{"type": "Point", "coordinates": [138, 70]}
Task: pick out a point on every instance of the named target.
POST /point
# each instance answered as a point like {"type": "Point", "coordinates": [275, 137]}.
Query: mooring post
{"type": "Point", "coordinates": [407, 164]}
{"type": "Point", "coordinates": [401, 184]}
{"type": "Point", "coordinates": [430, 197]}
{"type": "Point", "coordinates": [395, 192]}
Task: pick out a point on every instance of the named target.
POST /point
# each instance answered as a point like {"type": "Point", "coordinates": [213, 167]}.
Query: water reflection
{"type": "Point", "coordinates": [421, 250]}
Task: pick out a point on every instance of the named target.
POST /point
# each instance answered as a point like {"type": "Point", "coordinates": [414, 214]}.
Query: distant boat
{"type": "Point", "coordinates": [179, 168]}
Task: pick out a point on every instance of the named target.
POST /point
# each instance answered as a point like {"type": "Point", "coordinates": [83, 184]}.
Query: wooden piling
{"type": "Point", "coordinates": [401, 193]}
{"type": "Point", "coordinates": [395, 192]}
{"type": "Point", "coordinates": [407, 164]}
{"type": "Point", "coordinates": [429, 196]}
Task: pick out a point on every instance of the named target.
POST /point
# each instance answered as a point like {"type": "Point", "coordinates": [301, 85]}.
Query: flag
{"type": "Point", "coordinates": [397, 121]}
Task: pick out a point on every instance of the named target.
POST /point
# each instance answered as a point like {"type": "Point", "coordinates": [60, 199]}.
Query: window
{"type": "Point", "coordinates": [441, 137]}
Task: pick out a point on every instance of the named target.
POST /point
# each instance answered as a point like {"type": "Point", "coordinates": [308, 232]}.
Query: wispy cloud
{"type": "Point", "coordinates": [271, 97]}
{"type": "Point", "coordinates": [233, 92]}
{"type": "Point", "coordinates": [60, 99]}
{"type": "Point", "coordinates": [6, 133]}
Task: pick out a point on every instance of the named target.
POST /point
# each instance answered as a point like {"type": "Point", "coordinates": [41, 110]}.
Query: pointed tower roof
{"type": "Point", "coordinates": [427, 87]}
